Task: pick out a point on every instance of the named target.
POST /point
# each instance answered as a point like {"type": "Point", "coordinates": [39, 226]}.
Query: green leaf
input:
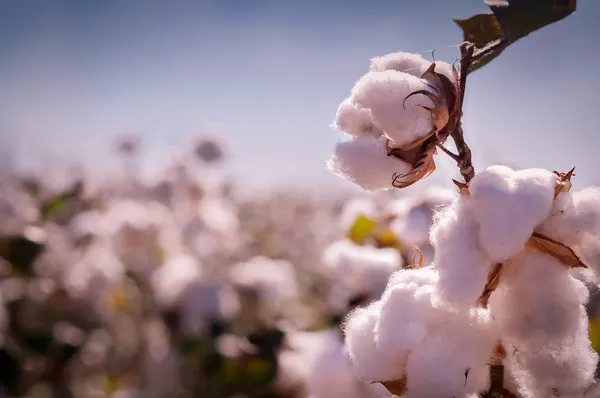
{"type": "Point", "coordinates": [361, 229]}
{"type": "Point", "coordinates": [20, 253]}
{"type": "Point", "coordinates": [58, 205]}
{"type": "Point", "coordinates": [510, 20]}
{"type": "Point", "coordinates": [594, 333]}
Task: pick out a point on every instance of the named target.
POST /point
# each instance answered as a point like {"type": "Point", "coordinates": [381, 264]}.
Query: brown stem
{"type": "Point", "coordinates": [464, 154]}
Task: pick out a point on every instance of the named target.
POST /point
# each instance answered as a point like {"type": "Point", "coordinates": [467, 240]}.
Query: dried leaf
{"type": "Point", "coordinates": [396, 387]}
{"type": "Point", "coordinates": [566, 255]}
{"type": "Point", "coordinates": [491, 285]}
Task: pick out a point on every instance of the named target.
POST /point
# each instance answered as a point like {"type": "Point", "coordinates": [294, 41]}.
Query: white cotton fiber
{"type": "Point", "coordinates": [413, 64]}
{"type": "Point", "coordinates": [463, 268]}
{"type": "Point", "coordinates": [355, 120]}
{"type": "Point", "coordinates": [406, 311]}
{"type": "Point", "coordinates": [370, 362]}
{"type": "Point", "coordinates": [364, 161]}
{"type": "Point", "coordinates": [538, 302]}
{"type": "Point", "coordinates": [453, 360]}
{"type": "Point", "coordinates": [509, 205]}
{"type": "Point", "coordinates": [384, 94]}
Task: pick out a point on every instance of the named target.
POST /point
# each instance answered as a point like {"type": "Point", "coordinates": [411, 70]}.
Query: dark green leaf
{"type": "Point", "coordinates": [510, 20]}
{"type": "Point", "coordinates": [20, 253]}
{"type": "Point", "coordinates": [61, 203]}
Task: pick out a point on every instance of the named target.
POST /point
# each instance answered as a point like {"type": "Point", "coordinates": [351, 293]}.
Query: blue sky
{"type": "Point", "coordinates": [272, 73]}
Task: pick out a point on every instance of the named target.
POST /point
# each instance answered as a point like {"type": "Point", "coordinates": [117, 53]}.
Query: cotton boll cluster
{"type": "Point", "coordinates": [496, 278]}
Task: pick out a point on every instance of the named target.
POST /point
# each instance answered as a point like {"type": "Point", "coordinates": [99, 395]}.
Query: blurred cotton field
{"type": "Point", "coordinates": [175, 285]}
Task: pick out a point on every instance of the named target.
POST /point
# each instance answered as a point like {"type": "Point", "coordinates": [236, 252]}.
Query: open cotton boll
{"type": "Point", "coordinates": [364, 161]}
{"type": "Point", "coordinates": [556, 371]}
{"type": "Point", "coordinates": [274, 280]}
{"type": "Point", "coordinates": [355, 208]}
{"type": "Point", "coordinates": [538, 303]}
{"type": "Point", "coordinates": [355, 120]}
{"type": "Point", "coordinates": [384, 93]}
{"type": "Point", "coordinates": [509, 205]}
{"type": "Point", "coordinates": [370, 362]}
{"type": "Point", "coordinates": [463, 268]}
{"type": "Point", "coordinates": [453, 360]}
{"type": "Point", "coordinates": [359, 270]}
{"type": "Point", "coordinates": [407, 313]}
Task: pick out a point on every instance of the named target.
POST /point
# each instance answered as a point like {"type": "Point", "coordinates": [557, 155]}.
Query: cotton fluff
{"type": "Point", "coordinates": [538, 309]}
{"type": "Point", "coordinates": [463, 268]}
{"type": "Point", "coordinates": [384, 94]}
{"type": "Point", "coordinates": [355, 120]}
{"type": "Point", "coordinates": [509, 205]}
{"type": "Point", "coordinates": [538, 302]}
{"type": "Point", "coordinates": [453, 360]}
{"type": "Point", "coordinates": [358, 270]}
{"type": "Point", "coordinates": [370, 362]}
{"type": "Point", "coordinates": [331, 373]}
{"type": "Point", "coordinates": [413, 64]}
{"type": "Point", "coordinates": [365, 162]}
{"type": "Point", "coordinates": [556, 371]}
{"type": "Point", "coordinates": [274, 280]}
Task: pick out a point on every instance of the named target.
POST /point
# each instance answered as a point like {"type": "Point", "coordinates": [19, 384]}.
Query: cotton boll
{"type": "Point", "coordinates": [413, 228]}
{"type": "Point", "coordinates": [406, 317]}
{"type": "Point", "coordinates": [355, 120]}
{"type": "Point", "coordinates": [556, 371]}
{"type": "Point", "coordinates": [359, 270]}
{"type": "Point", "coordinates": [463, 268]}
{"type": "Point", "coordinates": [355, 208]}
{"type": "Point", "coordinates": [509, 205]}
{"type": "Point", "coordinates": [453, 360]}
{"type": "Point", "coordinates": [404, 122]}
{"type": "Point", "coordinates": [413, 64]}
{"type": "Point", "coordinates": [365, 162]}
{"type": "Point", "coordinates": [538, 303]}
{"type": "Point", "coordinates": [370, 362]}
{"type": "Point", "coordinates": [274, 280]}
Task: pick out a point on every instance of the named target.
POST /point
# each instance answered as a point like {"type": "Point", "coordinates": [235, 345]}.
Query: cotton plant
{"type": "Point", "coordinates": [498, 312]}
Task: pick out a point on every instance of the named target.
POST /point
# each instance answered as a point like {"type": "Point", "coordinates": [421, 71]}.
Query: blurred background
{"type": "Point", "coordinates": [169, 228]}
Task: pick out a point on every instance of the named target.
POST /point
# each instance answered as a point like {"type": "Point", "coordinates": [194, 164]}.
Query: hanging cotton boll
{"type": "Point", "coordinates": [355, 208]}
{"type": "Point", "coordinates": [358, 270]}
{"type": "Point", "coordinates": [452, 361]}
{"type": "Point", "coordinates": [365, 162]}
{"type": "Point", "coordinates": [274, 280]}
{"type": "Point", "coordinates": [566, 370]}
{"type": "Point", "coordinates": [407, 313]}
{"type": "Point", "coordinates": [463, 268]}
{"type": "Point", "coordinates": [384, 93]}
{"type": "Point", "coordinates": [413, 64]}
{"type": "Point", "coordinates": [355, 120]}
{"type": "Point", "coordinates": [538, 303]}
{"type": "Point", "coordinates": [509, 205]}
{"type": "Point", "coordinates": [369, 361]}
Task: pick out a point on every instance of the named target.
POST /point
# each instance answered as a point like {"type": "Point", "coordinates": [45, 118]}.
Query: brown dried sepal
{"type": "Point", "coordinates": [542, 244]}
{"type": "Point", "coordinates": [463, 188]}
{"type": "Point", "coordinates": [564, 183]}
{"type": "Point", "coordinates": [445, 114]}
{"type": "Point", "coordinates": [396, 387]}
{"type": "Point", "coordinates": [491, 285]}
{"type": "Point", "coordinates": [417, 249]}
